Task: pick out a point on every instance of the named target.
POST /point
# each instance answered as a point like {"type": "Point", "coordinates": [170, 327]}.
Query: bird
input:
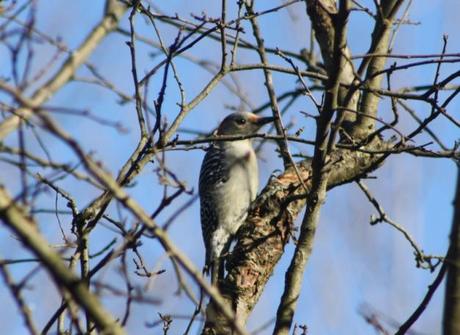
{"type": "Point", "coordinates": [228, 183]}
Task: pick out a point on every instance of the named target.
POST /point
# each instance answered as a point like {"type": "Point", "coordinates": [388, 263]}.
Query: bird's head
{"type": "Point", "coordinates": [242, 123]}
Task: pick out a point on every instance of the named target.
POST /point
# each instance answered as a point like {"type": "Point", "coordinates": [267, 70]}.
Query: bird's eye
{"type": "Point", "coordinates": [241, 121]}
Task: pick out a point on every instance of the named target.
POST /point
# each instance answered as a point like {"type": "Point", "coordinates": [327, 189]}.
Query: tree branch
{"type": "Point", "coordinates": [25, 228]}
{"type": "Point", "coordinates": [114, 12]}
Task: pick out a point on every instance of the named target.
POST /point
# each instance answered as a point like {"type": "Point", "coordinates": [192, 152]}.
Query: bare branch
{"type": "Point", "coordinates": [107, 24]}
{"type": "Point", "coordinates": [25, 229]}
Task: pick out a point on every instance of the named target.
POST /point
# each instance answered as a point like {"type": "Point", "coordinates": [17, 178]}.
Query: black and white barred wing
{"type": "Point", "coordinates": [214, 173]}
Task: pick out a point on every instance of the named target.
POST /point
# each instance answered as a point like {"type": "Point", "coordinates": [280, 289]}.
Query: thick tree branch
{"type": "Point", "coordinates": [322, 14]}
{"type": "Point", "coordinates": [380, 43]}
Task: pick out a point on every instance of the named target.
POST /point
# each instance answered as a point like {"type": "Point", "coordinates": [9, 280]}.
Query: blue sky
{"type": "Point", "coordinates": [352, 264]}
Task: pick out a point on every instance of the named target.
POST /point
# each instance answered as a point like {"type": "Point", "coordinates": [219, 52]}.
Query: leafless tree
{"type": "Point", "coordinates": [102, 130]}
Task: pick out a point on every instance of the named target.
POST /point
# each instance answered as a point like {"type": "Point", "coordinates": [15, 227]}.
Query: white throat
{"type": "Point", "coordinates": [237, 149]}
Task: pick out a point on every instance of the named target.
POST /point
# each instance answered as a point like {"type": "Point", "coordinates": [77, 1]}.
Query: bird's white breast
{"type": "Point", "coordinates": [241, 188]}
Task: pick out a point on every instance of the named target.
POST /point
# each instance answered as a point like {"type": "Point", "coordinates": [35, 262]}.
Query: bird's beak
{"type": "Point", "coordinates": [260, 121]}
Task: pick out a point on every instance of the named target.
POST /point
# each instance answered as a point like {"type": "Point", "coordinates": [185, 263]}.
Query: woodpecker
{"type": "Point", "coordinates": [229, 179]}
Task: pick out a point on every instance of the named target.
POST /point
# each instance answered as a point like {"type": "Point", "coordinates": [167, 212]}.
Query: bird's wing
{"type": "Point", "coordinates": [208, 224]}
{"type": "Point", "coordinates": [214, 173]}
